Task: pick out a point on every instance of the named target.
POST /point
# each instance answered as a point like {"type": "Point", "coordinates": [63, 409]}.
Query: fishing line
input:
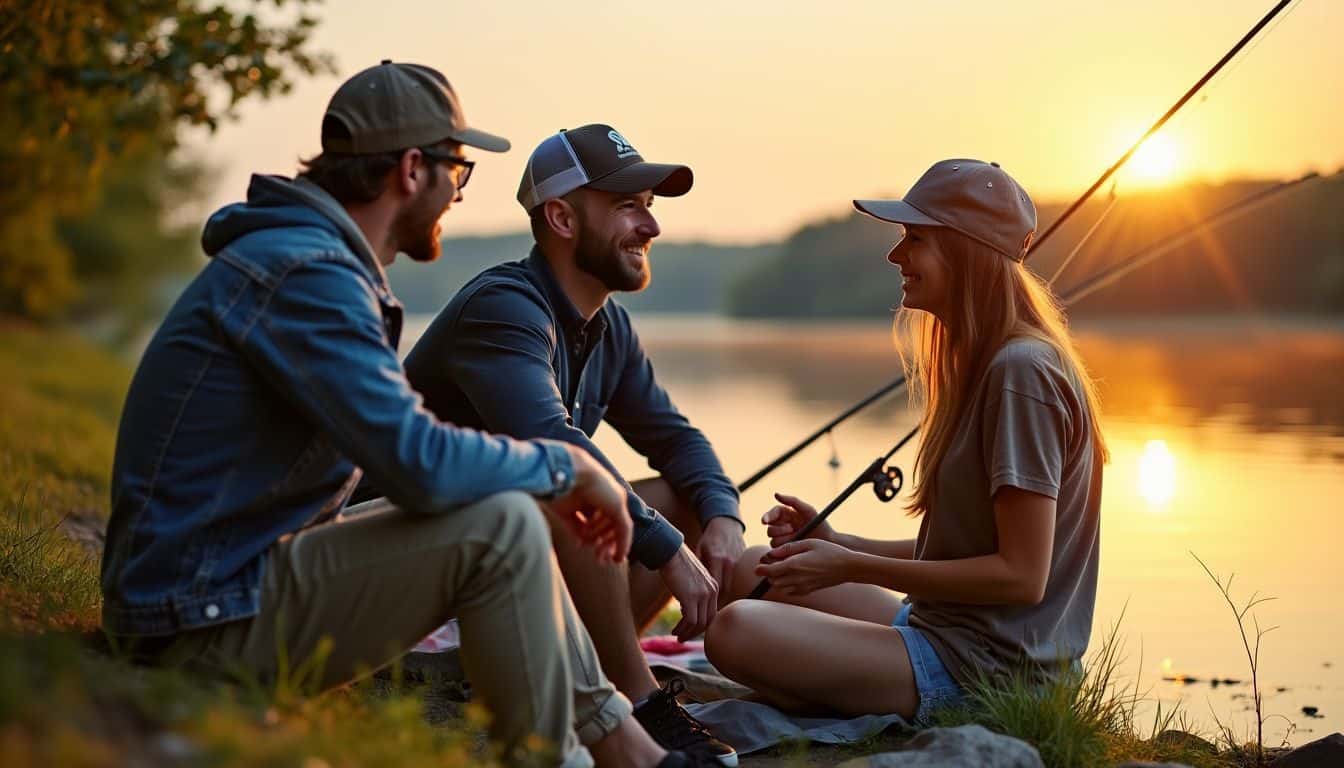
{"type": "Point", "coordinates": [1067, 259]}
{"type": "Point", "coordinates": [1217, 82]}
{"type": "Point", "coordinates": [1095, 283]}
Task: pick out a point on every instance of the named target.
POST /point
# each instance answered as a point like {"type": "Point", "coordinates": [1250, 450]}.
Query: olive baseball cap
{"type": "Point", "coordinates": [394, 106]}
{"type": "Point", "coordinates": [978, 199]}
{"type": "Point", "coordinates": [599, 157]}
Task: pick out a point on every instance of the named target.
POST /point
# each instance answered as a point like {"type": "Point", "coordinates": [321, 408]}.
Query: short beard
{"type": "Point", "coordinates": [413, 228]}
{"type": "Point", "coordinates": [593, 256]}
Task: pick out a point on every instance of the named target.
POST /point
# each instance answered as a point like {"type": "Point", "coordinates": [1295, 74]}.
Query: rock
{"type": "Point", "coordinates": [1326, 752]}
{"type": "Point", "coordinates": [173, 748]}
{"type": "Point", "coordinates": [1185, 741]}
{"type": "Point", "coordinates": [968, 746]}
{"type": "Point", "coordinates": [87, 528]}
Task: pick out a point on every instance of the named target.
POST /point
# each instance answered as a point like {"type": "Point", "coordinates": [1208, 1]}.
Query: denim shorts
{"type": "Point", "coordinates": [936, 688]}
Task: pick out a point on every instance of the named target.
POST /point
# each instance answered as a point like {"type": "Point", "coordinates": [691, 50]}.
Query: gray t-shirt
{"type": "Point", "coordinates": [1028, 428]}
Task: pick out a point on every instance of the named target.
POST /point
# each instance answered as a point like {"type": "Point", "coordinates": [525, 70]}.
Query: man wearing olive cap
{"type": "Point", "coordinates": [273, 385]}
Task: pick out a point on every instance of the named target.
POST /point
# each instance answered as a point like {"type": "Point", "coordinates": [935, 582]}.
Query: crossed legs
{"type": "Point", "coordinates": [831, 651]}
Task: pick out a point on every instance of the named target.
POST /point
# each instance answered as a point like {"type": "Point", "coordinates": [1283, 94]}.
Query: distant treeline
{"type": "Point", "coordinates": [687, 277]}
{"type": "Point", "coordinates": [1285, 256]}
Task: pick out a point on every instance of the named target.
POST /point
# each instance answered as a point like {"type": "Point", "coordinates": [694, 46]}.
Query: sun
{"type": "Point", "coordinates": [1157, 474]}
{"type": "Point", "coordinates": [1156, 160]}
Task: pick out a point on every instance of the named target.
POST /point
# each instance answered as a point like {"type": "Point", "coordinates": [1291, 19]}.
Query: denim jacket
{"type": "Point", "coordinates": [511, 353]}
{"type": "Point", "coordinates": [272, 381]}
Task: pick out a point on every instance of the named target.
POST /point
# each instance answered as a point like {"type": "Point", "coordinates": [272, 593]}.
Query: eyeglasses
{"type": "Point", "coordinates": [464, 164]}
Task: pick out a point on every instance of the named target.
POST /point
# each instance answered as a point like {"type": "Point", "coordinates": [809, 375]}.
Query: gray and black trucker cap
{"type": "Point", "coordinates": [394, 106]}
{"type": "Point", "coordinates": [978, 199]}
{"type": "Point", "coordinates": [599, 157]}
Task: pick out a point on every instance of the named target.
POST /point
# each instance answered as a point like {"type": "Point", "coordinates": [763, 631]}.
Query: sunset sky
{"type": "Point", "coordinates": [786, 110]}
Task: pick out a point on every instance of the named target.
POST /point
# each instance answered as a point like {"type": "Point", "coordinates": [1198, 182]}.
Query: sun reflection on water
{"type": "Point", "coordinates": [1157, 474]}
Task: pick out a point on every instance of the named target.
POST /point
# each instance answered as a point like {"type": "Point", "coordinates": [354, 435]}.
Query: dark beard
{"type": "Point", "coordinates": [592, 256]}
{"type": "Point", "coordinates": [414, 229]}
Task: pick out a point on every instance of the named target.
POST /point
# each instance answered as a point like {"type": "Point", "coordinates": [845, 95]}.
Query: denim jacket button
{"type": "Point", "coordinates": [212, 611]}
{"type": "Point", "coordinates": [560, 479]}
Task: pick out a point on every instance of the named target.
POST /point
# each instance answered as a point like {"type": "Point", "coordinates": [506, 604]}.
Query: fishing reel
{"type": "Point", "coordinates": [887, 481]}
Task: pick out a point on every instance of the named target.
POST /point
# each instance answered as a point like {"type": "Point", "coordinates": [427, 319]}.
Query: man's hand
{"type": "Point", "coordinates": [594, 509]}
{"type": "Point", "coordinates": [695, 589]}
{"type": "Point", "coordinates": [720, 546]}
{"type": "Point", "coordinates": [806, 566]}
{"type": "Point", "coordinates": [785, 519]}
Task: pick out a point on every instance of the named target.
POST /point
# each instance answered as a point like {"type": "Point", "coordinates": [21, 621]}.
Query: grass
{"type": "Point", "coordinates": [1090, 718]}
{"type": "Point", "coordinates": [1084, 718]}
{"type": "Point", "coordinates": [1252, 750]}
{"type": "Point", "coordinates": [59, 401]}
{"type": "Point", "coordinates": [62, 703]}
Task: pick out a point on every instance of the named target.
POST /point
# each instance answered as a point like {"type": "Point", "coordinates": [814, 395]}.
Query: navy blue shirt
{"type": "Point", "coordinates": [511, 354]}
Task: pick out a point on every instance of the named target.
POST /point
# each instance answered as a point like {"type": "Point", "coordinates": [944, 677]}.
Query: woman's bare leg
{"type": "Point", "coordinates": [800, 658]}
{"type": "Point", "coordinates": [863, 602]}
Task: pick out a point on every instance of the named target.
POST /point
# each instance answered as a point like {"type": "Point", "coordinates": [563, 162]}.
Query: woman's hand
{"type": "Point", "coordinates": [786, 518]}
{"type": "Point", "coordinates": [805, 566]}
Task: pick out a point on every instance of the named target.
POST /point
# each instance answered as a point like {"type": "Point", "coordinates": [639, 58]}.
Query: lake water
{"type": "Point", "coordinates": [1227, 441]}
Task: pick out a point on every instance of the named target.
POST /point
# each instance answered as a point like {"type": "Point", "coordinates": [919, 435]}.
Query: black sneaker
{"type": "Point", "coordinates": [674, 729]}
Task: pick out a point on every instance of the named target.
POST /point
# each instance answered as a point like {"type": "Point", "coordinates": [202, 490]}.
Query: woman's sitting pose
{"type": "Point", "coordinates": [1003, 574]}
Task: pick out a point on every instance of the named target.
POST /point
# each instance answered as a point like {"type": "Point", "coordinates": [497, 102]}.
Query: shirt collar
{"type": "Point", "coordinates": [565, 311]}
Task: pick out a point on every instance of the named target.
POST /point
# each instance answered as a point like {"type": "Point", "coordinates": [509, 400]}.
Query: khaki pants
{"type": "Point", "coordinates": [378, 580]}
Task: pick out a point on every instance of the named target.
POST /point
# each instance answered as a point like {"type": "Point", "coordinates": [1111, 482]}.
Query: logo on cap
{"type": "Point", "coordinates": [623, 148]}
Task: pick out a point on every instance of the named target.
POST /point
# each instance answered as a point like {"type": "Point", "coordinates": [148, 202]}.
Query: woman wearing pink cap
{"type": "Point", "coordinates": [1002, 576]}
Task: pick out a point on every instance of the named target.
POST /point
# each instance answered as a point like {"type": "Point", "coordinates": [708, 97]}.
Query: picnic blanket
{"type": "Point", "coordinates": [749, 726]}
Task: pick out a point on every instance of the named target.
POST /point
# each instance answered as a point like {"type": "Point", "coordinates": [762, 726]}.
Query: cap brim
{"type": "Point", "coordinates": [481, 140]}
{"type": "Point", "coordinates": [664, 179]}
{"type": "Point", "coordinates": [897, 212]}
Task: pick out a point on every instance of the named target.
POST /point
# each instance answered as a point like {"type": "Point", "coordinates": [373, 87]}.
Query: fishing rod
{"type": "Point", "coordinates": [1108, 276]}
{"type": "Point", "coordinates": [887, 481]}
{"type": "Point", "coordinates": [897, 383]}
{"type": "Point", "coordinates": [1063, 265]}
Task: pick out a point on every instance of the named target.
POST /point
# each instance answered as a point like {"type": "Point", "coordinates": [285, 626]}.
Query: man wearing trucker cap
{"type": "Point", "coordinates": [535, 349]}
{"type": "Point", "coordinates": [273, 384]}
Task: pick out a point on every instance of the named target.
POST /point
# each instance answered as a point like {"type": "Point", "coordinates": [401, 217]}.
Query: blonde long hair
{"type": "Point", "coordinates": [996, 299]}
